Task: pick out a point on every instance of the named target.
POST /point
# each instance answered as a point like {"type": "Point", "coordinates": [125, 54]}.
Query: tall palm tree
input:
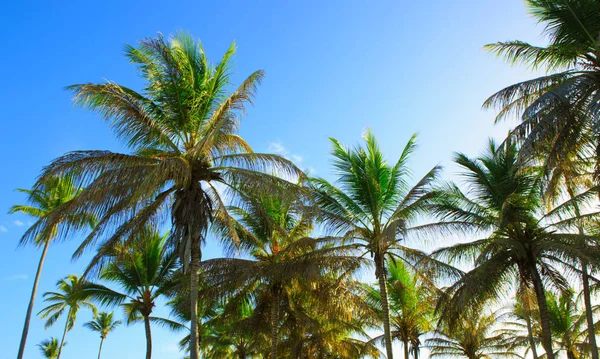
{"type": "Point", "coordinates": [103, 325]}
{"type": "Point", "coordinates": [474, 336]}
{"type": "Point", "coordinates": [68, 300]}
{"type": "Point", "coordinates": [522, 240]}
{"type": "Point", "coordinates": [572, 28]}
{"type": "Point", "coordinates": [274, 232]}
{"type": "Point", "coordinates": [182, 129]}
{"type": "Point", "coordinates": [49, 348]}
{"type": "Point", "coordinates": [44, 200]}
{"type": "Point", "coordinates": [374, 207]}
{"type": "Point", "coordinates": [411, 307]}
{"type": "Point", "coordinates": [145, 270]}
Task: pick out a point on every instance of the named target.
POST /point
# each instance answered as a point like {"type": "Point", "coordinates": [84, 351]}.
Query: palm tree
{"type": "Point", "coordinates": [572, 27]}
{"type": "Point", "coordinates": [473, 336]}
{"type": "Point", "coordinates": [523, 241]}
{"type": "Point", "coordinates": [374, 207]}
{"type": "Point", "coordinates": [70, 298]}
{"type": "Point", "coordinates": [274, 232]}
{"type": "Point", "coordinates": [568, 324]}
{"type": "Point", "coordinates": [49, 348]}
{"type": "Point", "coordinates": [103, 325]}
{"type": "Point", "coordinates": [44, 200]}
{"type": "Point", "coordinates": [411, 307]}
{"type": "Point", "coordinates": [183, 132]}
{"type": "Point", "coordinates": [145, 270]}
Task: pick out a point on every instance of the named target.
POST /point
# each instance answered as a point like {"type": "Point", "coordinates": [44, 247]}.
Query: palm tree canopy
{"type": "Point", "coordinates": [49, 348]}
{"type": "Point", "coordinates": [103, 324]}
{"type": "Point", "coordinates": [70, 297]}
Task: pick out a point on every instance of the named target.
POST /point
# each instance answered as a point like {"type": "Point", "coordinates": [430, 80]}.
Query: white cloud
{"type": "Point", "coordinates": [169, 348]}
{"type": "Point", "coordinates": [17, 277]}
{"type": "Point", "coordinates": [279, 149]}
{"type": "Point", "coordinates": [3, 229]}
{"type": "Point", "coordinates": [18, 223]}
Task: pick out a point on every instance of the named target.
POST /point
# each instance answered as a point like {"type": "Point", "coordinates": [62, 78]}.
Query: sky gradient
{"type": "Point", "coordinates": [333, 69]}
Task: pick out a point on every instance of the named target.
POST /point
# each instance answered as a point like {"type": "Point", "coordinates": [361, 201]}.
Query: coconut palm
{"type": "Point", "coordinates": [274, 232]}
{"type": "Point", "coordinates": [568, 324]}
{"type": "Point", "coordinates": [522, 240]}
{"type": "Point", "coordinates": [103, 325]}
{"type": "Point", "coordinates": [474, 336]}
{"type": "Point", "coordinates": [68, 300]}
{"type": "Point", "coordinates": [186, 153]}
{"type": "Point", "coordinates": [144, 270]}
{"type": "Point", "coordinates": [44, 200]}
{"type": "Point", "coordinates": [49, 348]}
{"type": "Point", "coordinates": [374, 207]}
{"type": "Point", "coordinates": [411, 307]}
{"type": "Point", "coordinates": [572, 28]}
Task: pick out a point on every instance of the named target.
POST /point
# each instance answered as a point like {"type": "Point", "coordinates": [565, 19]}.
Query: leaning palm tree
{"type": "Point", "coordinates": [68, 300]}
{"type": "Point", "coordinates": [145, 270]}
{"type": "Point", "coordinates": [522, 240]}
{"type": "Point", "coordinates": [374, 208]}
{"type": "Point", "coordinates": [49, 348]}
{"type": "Point", "coordinates": [274, 232]}
{"type": "Point", "coordinates": [572, 28]}
{"type": "Point", "coordinates": [186, 153]}
{"type": "Point", "coordinates": [474, 336]}
{"type": "Point", "coordinates": [44, 200]}
{"type": "Point", "coordinates": [103, 325]}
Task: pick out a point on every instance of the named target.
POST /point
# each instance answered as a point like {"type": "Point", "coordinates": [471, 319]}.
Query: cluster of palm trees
{"type": "Point", "coordinates": [292, 283]}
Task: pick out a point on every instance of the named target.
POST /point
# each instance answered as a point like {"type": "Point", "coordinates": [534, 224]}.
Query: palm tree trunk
{"type": "Point", "coordinates": [148, 337]}
{"type": "Point", "coordinates": [530, 334]}
{"type": "Point", "coordinates": [100, 350]}
{"type": "Point", "coordinates": [406, 351]}
{"type": "Point", "coordinates": [36, 282]}
{"type": "Point", "coordinates": [589, 314]}
{"type": "Point", "coordinates": [385, 309]}
{"type": "Point", "coordinates": [275, 324]}
{"type": "Point", "coordinates": [544, 317]}
{"type": "Point", "coordinates": [196, 257]}
{"type": "Point", "coordinates": [64, 336]}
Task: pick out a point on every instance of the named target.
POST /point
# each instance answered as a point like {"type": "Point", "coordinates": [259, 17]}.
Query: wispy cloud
{"type": "Point", "coordinates": [169, 348]}
{"type": "Point", "coordinates": [3, 229]}
{"type": "Point", "coordinates": [18, 223]}
{"type": "Point", "coordinates": [17, 277]}
{"type": "Point", "coordinates": [279, 149]}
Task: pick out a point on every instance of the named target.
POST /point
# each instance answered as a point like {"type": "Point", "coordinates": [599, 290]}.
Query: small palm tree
{"type": "Point", "coordinates": [523, 241]}
{"type": "Point", "coordinates": [145, 270]}
{"type": "Point", "coordinates": [473, 336]}
{"type": "Point", "coordinates": [103, 325]}
{"type": "Point", "coordinates": [68, 300]}
{"type": "Point", "coordinates": [183, 133]}
{"type": "Point", "coordinates": [49, 348]}
{"type": "Point", "coordinates": [374, 208]}
{"type": "Point", "coordinates": [44, 200]}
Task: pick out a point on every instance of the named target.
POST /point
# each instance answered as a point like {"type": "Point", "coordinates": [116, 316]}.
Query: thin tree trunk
{"type": "Point", "coordinates": [62, 341]}
{"type": "Point", "coordinates": [585, 279]}
{"type": "Point", "coordinates": [275, 324]}
{"type": "Point", "coordinates": [589, 314]}
{"type": "Point", "coordinates": [530, 334]}
{"type": "Point", "coordinates": [100, 350]}
{"type": "Point", "coordinates": [385, 309]}
{"type": "Point", "coordinates": [544, 317]}
{"type": "Point", "coordinates": [148, 337]}
{"type": "Point", "coordinates": [32, 300]}
{"type": "Point", "coordinates": [406, 351]}
{"type": "Point", "coordinates": [196, 258]}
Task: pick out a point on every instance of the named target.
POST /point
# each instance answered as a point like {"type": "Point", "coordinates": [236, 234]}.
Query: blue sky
{"type": "Point", "coordinates": [333, 68]}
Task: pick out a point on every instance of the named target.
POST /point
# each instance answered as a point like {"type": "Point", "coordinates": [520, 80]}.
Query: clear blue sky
{"type": "Point", "coordinates": [333, 68]}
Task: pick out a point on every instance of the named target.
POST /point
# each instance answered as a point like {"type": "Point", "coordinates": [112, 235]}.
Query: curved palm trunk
{"type": "Point", "coordinates": [148, 337]}
{"type": "Point", "coordinates": [196, 258]}
{"type": "Point", "coordinates": [544, 317]}
{"type": "Point", "coordinates": [385, 308]}
{"type": "Point", "coordinates": [64, 336]}
{"type": "Point", "coordinates": [275, 324]}
{"type": "Point", "coordinates": [36, 282]}
{"type": "Point", "coordinates": [100, 350]}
